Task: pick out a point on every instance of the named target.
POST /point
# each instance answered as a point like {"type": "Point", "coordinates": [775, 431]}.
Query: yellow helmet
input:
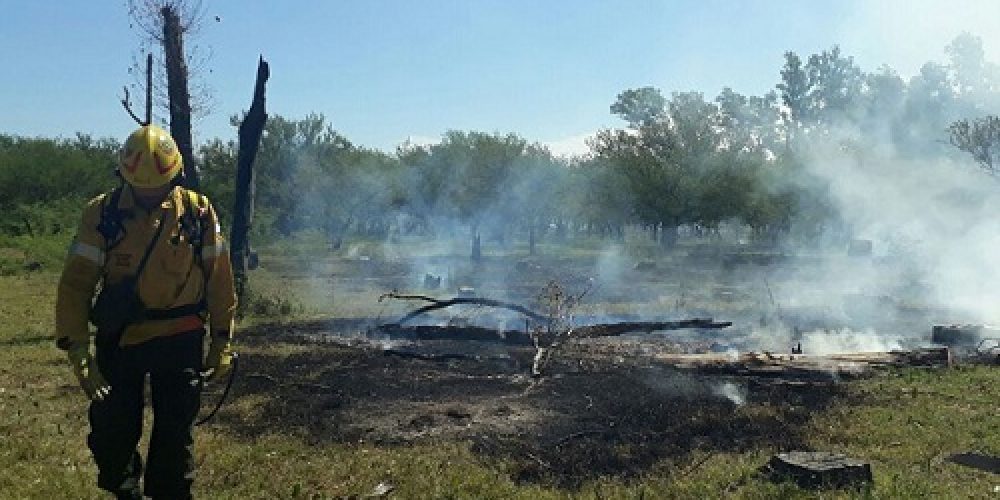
{"type": "Point", "coordinates": [150, 158]}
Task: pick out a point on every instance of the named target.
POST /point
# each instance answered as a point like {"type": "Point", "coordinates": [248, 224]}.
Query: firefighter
{"type": "Point", "coordinates": [156, 251]}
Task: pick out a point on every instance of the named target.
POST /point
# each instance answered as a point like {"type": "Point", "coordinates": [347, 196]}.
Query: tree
{"type": "Point", "coordinates": [929, 108]}
{"type": "Point", "coordinates": [883, 100]}
{"type": "Point", "coordinates": [164, 23]}
{"type": "Point", "coordinates": [748, 123]}
{"type": "Point", "coordinates": [43, 182]}
{"type": "Point", "coordinates": [835, 86]}
{"type": "Point", "coordinates": [659, 184]}
{"type": "Point", "coordinates": [980, 138]}
{"type": "Point", "coordinates": [795, 90]}
{"type": "Point", "coordinates": [598, 195]}
{"type": "Point", "coordinates": [695, 124]}
{"type": "Point", "coordinates": [640, 107]}
{"type": "Point", "coordinates": [968, 68]}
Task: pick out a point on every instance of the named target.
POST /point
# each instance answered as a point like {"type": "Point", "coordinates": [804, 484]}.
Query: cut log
{"type": "Point", "coordinates": [839, 365]}
{"type": "Point", "coordinates": [819, 469]}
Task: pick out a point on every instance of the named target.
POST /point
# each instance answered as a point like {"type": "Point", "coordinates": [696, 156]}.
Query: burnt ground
{"type": "Point", "coordinates": [582, 421]}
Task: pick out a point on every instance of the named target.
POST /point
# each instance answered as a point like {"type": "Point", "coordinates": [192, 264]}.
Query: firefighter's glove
{"type": "Point", "coordinates": [220, 357]}
{"type": "Point", "coordinates": [85, 369]}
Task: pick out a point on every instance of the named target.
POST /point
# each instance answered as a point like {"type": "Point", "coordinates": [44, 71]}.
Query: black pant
{"type": "Point", "coordinates": [173, 364]}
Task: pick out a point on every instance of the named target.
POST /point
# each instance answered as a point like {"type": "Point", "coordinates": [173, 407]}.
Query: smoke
{"type": "Point", "coordinates": [906, 32]}
{"type": "Point", "coordinates": [610, 265]}
{"type": "Point", "coordinates": [884, 173]}
{"type": "Point", "coordinates": [681, 385]}
{"type": "Point", "coordinates": [931, 219]}
{"type": "Point", "coordinates": [734, 393]}
{"type": "Point", "coordinates": [844, 340]}
{"type": "Point", "coordinates": [571, 146]}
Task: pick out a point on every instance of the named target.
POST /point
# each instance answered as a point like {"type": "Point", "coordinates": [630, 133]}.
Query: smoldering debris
{"type": "Point", "coordinates": [675, 384]}
{"type": "Point", "coordinates": [820, 354]}
{"type": "Point", "coordinates": [963, 335]}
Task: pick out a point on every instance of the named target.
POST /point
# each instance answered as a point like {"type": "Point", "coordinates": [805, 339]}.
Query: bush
{"type": "Point", "coordinates": [268, 305]}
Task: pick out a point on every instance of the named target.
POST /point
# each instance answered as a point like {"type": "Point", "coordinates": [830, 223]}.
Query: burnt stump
{"type": "Point", "coordinates": [819, 469]}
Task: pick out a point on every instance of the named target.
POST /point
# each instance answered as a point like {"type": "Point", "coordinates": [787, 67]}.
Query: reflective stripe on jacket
{"type": "Point", "coordinates": [173, 276]}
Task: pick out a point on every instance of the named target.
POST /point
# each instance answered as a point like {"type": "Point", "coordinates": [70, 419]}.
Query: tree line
{"type": "Point", "coordinates": [680, 160]}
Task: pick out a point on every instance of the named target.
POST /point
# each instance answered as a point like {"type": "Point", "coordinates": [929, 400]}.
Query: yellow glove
{"type": "Point", "coordinates": [85, 369]}
{"type": "Point", "coordinates": [220, 357]}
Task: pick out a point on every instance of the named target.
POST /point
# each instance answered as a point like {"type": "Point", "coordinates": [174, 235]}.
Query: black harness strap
{"type": "Point", "coordinates": [110, 226]}
{"type": "Point", "coordinates": [174, 312]}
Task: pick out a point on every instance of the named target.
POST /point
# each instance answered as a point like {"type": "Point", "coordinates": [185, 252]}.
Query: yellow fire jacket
{"type": "Point", "coordinates": [173, 277]}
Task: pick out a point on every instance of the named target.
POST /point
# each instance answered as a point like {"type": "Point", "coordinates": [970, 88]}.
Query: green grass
{"type": "Point", "coordinates": [905, 422]}
{"type": "Point", "coordinates": [25, 254]}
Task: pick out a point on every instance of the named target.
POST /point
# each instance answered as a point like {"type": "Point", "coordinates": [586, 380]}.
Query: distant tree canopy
{"type": "Point", "coordinates": [44, 182]}
{"type": "Point", "coordinates": [680, 160]}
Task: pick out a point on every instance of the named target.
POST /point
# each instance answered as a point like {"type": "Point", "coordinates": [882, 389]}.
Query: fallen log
{"type": "Point", "coordinates": [768, 364]}
{"type": "Point", "coordinates": [599, 330]}
{"type": "Point", "coordinates": [396, 331]}
{"type": "Point", "coordinates": [647, 327]}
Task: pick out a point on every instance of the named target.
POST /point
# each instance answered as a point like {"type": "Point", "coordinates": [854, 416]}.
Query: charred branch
{"type": "Point", "coordinates": [436, 304]}
{"type": "Point", "coordinates": [127, 102]}
{"type": "Point", "coordinates": [980, 138]}
{"type": "Point", "coordinates": [149, 88]}
{"type": "Point", "coordinates": [648, 327]}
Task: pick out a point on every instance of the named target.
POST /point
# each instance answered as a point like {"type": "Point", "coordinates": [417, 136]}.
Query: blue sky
{"type": "Point", "coordinates": [382, 70]}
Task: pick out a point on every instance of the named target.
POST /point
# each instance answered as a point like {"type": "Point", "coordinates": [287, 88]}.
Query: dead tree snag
{"type": "Point", "coordinates": [251, 129]}
{"type": "Point", "coordinates": [177, 91]}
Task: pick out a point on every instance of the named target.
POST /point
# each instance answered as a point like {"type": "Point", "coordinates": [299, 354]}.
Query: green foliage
{"type": "Point", "coordinates": [698, 163]}
{"type": "Point", "coordinates": [43, 170]}
{"type": "Point", "coordinates": [44, 184]}
{"type": "Point", "coordinates": [477, 178]}
{"type": "Point", "coordinates": [640, 106]}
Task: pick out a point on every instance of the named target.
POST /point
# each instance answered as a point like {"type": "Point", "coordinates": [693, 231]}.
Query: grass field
{"type": "Point", "coordinates": [270, 442]}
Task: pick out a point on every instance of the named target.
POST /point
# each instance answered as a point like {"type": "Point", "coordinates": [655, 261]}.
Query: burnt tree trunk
{"type": "Point", "coordinates": [531, 239]}
{"type": "Point", "coordinates": [249, 137]}
{"type": "Point", "coordinates": [477, 247]}
{"type": "Point", "coordinates": [179, 98]}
